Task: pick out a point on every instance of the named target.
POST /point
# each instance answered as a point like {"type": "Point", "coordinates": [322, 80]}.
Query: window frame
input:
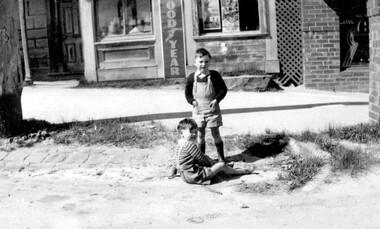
{"type": "Point", "coordinates": [262, 31]}
{"type": "Point", "coordinates": [126, 37]}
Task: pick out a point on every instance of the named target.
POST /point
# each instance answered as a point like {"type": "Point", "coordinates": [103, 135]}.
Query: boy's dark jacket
{"type": "Point", "coordinates": [217, 81]}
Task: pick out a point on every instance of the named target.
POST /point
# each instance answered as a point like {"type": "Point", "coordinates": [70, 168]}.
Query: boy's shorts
{"type": "Point", "coordinates": [202, 176]}
{"type": "Point", "coordinates": [208, 121]}
{"type": "Point", "coordinates": [206, 118]}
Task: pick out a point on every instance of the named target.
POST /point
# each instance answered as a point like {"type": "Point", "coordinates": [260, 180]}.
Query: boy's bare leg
{"type": "Point", "coordinates": [232, 171]}
{"type": "Point", "coordinates": [222, 167]}
{"type": "Point", "coordinates": [217, 168]}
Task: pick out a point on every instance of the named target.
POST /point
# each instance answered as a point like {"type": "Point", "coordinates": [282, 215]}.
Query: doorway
{"type": "Point", "coordinates": [65, 44]}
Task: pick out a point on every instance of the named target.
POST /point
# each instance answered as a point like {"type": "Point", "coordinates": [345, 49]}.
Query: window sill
{"type": "Point", "coordinates": [357, 68]}
{"type": "Point", "coordinates": [125, 40]}
{"type": "Point", "coordinates": [215, 36]}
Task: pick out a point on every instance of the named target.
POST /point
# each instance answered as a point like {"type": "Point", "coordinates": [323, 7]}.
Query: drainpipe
{"type": "Point", "coordinates": [28, 79]}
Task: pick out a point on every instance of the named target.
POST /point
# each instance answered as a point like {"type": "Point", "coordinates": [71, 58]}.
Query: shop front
{"type": "Point", "coordinates": [146, 39]}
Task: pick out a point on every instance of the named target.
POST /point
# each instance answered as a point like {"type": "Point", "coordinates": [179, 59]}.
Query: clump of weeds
{"type": "Point", "coordinates": [117, 133]}
{"type": "Point", "coordinates": [298, 170]}
{"type": "Point", "coordinates": [361, 133]}
{"type": "Point", "coordinates": [354, 160]}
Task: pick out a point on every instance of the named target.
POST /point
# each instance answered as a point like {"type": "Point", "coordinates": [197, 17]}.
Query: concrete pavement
{"type": "Point", "coordinates": [293, 109]}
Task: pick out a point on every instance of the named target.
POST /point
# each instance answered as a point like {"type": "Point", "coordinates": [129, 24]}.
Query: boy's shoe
{"type": "Point", "coordinates": [230, 163]}
{"type": "Point", "coordinates": [173, 176]}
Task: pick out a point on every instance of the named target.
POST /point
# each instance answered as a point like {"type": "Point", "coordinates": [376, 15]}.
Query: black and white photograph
{"type": "Point", "coordinates": [231, 114]}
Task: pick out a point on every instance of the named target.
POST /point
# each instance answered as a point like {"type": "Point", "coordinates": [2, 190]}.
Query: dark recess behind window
{"type": "Point", "coordinates": [249, 15]}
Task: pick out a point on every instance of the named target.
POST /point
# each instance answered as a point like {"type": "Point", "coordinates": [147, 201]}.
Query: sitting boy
{"type": "Point", "coordinates": [193, 165]}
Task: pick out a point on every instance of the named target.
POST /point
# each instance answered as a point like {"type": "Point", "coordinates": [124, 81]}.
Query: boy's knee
{"type": "Point", "coordinates": [221, 164]}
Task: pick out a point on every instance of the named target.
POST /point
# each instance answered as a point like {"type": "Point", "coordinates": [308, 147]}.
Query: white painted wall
{"type": "Point", "coordinates": [88, 39]}
{"type": "Point", "coordinates": [272, 64]}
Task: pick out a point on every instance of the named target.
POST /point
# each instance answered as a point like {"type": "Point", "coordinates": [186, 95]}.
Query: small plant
{"type": "Point", "coordinates": [362, 133]}
{"type": "Point", "coordinates": [355, 160]}
{"type": "Point", "coordinates": [325, 142]}
{"type": "Point", "coordinates": [298, 170]}
{"type": "Point", "coordinates": [305, 136]}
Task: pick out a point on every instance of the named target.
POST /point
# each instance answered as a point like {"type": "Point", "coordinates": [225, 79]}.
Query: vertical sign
{"type": "Point", "coordinates": [173, 38]}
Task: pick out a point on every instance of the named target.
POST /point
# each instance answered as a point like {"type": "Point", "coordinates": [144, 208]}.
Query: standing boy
{"type": "Point", "coordinates": [204, 90]}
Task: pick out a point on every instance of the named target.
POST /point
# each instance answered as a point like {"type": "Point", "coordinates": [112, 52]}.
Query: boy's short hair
{"type": "Point", "coordinates": [187, 123]}
{"type": "Point", "coordinates": [202, 52]}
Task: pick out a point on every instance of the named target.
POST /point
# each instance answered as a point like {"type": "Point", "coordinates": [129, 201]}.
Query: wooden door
{"type": "Point", "coordinates": [71, 36]}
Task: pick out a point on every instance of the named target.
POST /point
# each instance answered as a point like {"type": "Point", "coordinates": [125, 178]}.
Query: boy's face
{"type": "Point", "coordinates": [189, 135]}
{"type": "Point", "coordinates": [202, 63]}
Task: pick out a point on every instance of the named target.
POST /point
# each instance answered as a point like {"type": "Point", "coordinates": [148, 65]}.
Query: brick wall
{"type": "Point", "coordinates": [374, 68]}
{"type": "Point", "coordinates": [321, 51]}
{"type": "Point", "coordinates": [37, 35]}
{"type": "Point", "coordinates": [243, 56]}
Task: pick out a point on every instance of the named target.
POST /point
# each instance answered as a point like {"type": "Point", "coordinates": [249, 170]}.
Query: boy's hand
{"type": "Point", "coordinates": [196, 108]}
{"type": "Point", "coordinates": [213, 105]}
{"type": "Point", "coordinates": [195, 103]}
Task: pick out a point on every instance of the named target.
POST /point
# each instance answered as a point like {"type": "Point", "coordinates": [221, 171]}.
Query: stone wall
{"type": "Point", "coordinates": [37, 35]}
{"type": "Point", "coordinates": [321, 50]}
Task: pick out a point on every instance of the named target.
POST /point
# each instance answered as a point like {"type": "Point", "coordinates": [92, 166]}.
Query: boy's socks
{"type": "Point", "coordinates": [220, 151]}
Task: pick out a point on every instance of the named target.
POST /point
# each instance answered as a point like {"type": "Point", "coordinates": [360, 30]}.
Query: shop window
{"type": "Point", "coordinates": [123, 18]}
{"type": "Point", "coordinates": [354, 39]}
{"type": "Point", "coordinates": [228, 16]}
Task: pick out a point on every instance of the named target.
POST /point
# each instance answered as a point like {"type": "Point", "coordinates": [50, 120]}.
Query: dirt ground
{"type": "Point", "coordinates": [73, 197]}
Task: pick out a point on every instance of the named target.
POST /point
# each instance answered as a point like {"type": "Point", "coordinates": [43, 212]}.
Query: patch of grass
{"type": "Point", "coordinates": [236, 142]}
{"type": "Point", "coordinates": [116, 133]}
{"type": "Point", "coordinates": [305, 136]}
{"type": "Point", "coordinates": [353, 160]}
{"type": "Point", "coordinates": [361, 133]}
{"type": "Point", "coordinates": [33, 126]}
{"type": "Point", "coordinates": [32, 131]}
{"type": "Point", "coordinates": [299, 170]}
{"type": "Point", "coordinates": [324, 141]}
{"type": "Point", "coordinates": [343, 158]}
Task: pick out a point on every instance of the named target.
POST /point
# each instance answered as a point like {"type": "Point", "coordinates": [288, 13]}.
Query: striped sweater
{"type": "Point", "coordinates": [188, 157]}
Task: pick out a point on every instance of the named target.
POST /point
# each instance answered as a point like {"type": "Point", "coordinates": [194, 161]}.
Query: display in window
{"type": "Point", "coordinates": [123, 17]}
{"type": "Point", "coordinates": [230, 15]}
{"type": "Point", "coordinates": [357, 45]}
{"type": "Point", "coordinates": [211, 15]}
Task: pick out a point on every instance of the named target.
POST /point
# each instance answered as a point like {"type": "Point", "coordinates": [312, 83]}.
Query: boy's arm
{"type": "Point", "coordinates": [172, 171]}
{"type": "Point", "coordinates": [173, 166]}
{"type": "Point", "coordinates": [219, 86]}
{"type": "Point", "coordinates": [189, 89]}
